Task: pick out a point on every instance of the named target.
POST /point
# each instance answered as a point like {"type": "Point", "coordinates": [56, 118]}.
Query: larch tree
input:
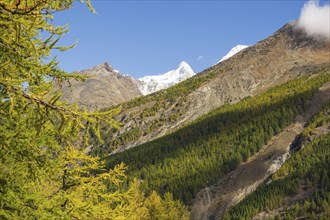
{"type": "Point", "coordinates": [44, 171]}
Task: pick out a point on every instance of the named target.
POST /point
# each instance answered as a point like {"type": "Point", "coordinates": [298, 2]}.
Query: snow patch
{"type": "Point", "coordinates": [233, 51]}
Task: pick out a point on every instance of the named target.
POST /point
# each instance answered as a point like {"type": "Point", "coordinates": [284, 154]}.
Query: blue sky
{"type": "Point", "coordinates": [151, 37]}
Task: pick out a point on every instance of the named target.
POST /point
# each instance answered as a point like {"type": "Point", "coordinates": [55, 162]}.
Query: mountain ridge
{"type": "Point", "coordinates": [275, 60]}
{"type": "Point", "coordinates": [146, 85]}
{"type": "Point", "coordinates": [103, 83]}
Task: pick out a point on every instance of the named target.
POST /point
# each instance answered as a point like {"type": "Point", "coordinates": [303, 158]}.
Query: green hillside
{"type": "Point", "coordinates": [202, 152]}
{"type": "Point", "coordinates": [304, 178]}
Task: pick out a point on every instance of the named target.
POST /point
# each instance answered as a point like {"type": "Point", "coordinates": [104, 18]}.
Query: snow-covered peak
{"type": "Point", "coordinates": [184, 68]}
{"type": "Point", "coordinates": [154, 83]}
{"type": "Point", "coordinates": [183, 64]}
{"type": "Point", "coordinates": [233, 51]}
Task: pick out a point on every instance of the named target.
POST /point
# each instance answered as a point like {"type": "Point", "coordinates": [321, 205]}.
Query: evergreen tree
{"type": "Point", "coordinates": [44, 171]}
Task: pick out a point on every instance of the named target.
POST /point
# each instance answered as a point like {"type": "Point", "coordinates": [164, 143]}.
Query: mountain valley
{"type": "Point", "coordinates": [247, 138]}
{"type": "Point", "coordinates": [168, 116]}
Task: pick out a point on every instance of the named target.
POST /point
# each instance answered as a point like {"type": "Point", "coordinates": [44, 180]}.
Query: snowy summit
{"type": "Point", "coordinates": [233, 51]}
{"type": "Point", "coordinates": [150, 84]}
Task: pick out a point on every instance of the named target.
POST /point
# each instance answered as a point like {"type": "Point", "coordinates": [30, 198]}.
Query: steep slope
{"type": "Point", "coordinates": [213, 201]}
{"type": "Point", "coordinates": [201, 153]}
{"type": "Point", "coordinates": [283, 56]}
{"type": "Point", "coordinates": [104, 87]}
{"type": "Point", "coordinates": [151, 84]}
{"type": "Point", "coordinates": [232, 52]}
{"type": "Point", "coordinates": [300, 189]}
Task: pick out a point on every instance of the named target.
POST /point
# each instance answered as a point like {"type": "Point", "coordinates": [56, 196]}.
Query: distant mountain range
{"type": "Point", "coordinates": [106, 87]}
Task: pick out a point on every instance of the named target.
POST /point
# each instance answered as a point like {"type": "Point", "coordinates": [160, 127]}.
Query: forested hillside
{"type": "Point", "coordinates": [301, 188]}
{"type": "Point", "coordinates": [198, 154]}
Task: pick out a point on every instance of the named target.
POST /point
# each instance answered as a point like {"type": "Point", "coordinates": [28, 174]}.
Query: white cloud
{"type": "Point", "coordinates": [315, 19]}
{"type": "Point", "coordinates": [200, 58]}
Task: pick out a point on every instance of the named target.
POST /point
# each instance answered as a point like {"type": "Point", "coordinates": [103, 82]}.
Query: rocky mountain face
{"type": "Point", "coordinates": [151, 84]}
{"type": "Point", "coordinates": [104, 87]}
{"type": "Point", "coordinates": [275, 60]}
{"type": "Point", "coordinates": [286, 54]}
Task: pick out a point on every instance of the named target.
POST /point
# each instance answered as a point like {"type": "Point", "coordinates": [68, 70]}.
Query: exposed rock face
{"type": "Point", "coordinates": [283, 56]}
{"type": "Point", "coordinates": [104, 87]}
